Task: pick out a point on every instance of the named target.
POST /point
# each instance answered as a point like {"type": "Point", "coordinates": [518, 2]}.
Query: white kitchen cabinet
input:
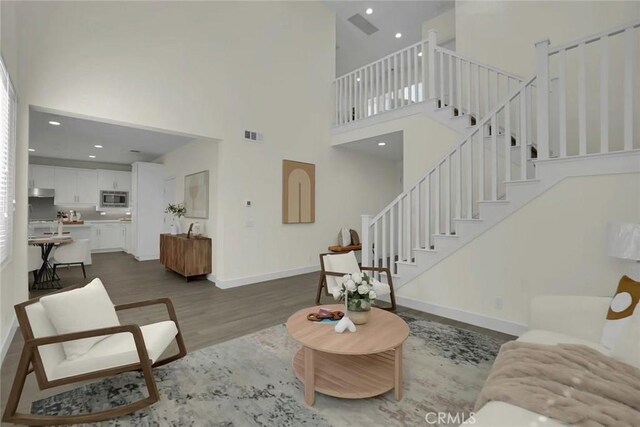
{"type": "Point", "coordinates": [41, 176]}
{"type": "Point", "coordinates": [108, 236]}
{"type": "Point", "coordinates": [114, 180]}
{"type": "Point", "coordinates": [65, 185]}
{"type": "Point", "coordinates": [75, 187]}
{"type": "Point", "coordinates": [128, 236]}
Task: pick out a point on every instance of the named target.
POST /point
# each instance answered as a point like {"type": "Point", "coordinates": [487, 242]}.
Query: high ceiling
{"type": "Point", "coordinates": [76, 138]}
{"type": "Point", "coordinates": [355, 48]}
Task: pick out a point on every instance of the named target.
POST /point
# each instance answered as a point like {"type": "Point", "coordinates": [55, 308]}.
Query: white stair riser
{"type": "Point", "coordinates": [424, 257]}
{"type": "Point", "coordinates": [444, 244]}
{"type": "Point", "coordinates": [463, 228]}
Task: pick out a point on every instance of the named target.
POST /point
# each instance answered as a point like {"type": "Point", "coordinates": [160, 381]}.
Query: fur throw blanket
{"type": "Point", "coordinates": [572, 383]}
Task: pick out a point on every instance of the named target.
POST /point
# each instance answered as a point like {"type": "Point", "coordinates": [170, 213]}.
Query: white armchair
{"type": "Point", "coordinates": [113, 348]}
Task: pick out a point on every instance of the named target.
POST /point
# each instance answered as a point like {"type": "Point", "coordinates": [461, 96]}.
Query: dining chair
{"type": "Point", "coordinates": [334, 266]}
{"type": "Point", "coordinates": [75, 253]}
{"type": "Point", "coordinates": [34, 260]}
{"type": "Point", "coordinates": [74, 335]}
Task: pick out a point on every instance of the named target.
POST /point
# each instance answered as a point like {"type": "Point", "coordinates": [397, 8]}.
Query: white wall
{"type": "Point", "coordinates": [425, 143]}
{"type": "Point", "coordinates": [503, 33]}
{"type": "Point", "coordinates": [556, 244]}
{"type": "Point", "coordinates": [13, 275]}
{"type": "Point", "coordinates": [213, 69]}
{"type": "Point", "coordinates": [195, 157]}
{"type": "Point", "coordinates": [444, 25]}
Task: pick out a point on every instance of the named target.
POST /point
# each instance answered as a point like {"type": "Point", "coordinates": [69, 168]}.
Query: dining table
{"type": "Point", "coordinates": [45, 277]}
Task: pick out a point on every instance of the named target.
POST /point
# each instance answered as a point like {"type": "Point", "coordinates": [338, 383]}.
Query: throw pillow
{"type": "Point", "coordinates": [621, 309]}
{"type": "Point", "coordinates": [344, 237]}
{"type": "Point", "coordinates": [627, 349]}
{"type": "Point", "coordinates": [80, 310]}
{"type": "Point", "coordinates": [355, 239]}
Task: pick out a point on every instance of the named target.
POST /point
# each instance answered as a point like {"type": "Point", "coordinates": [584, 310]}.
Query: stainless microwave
{"type": "Point", "coordinates": [114, 199]}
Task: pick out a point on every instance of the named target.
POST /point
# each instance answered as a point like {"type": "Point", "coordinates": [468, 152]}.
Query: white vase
{"type": "Point", "coordinates": [172, 230]}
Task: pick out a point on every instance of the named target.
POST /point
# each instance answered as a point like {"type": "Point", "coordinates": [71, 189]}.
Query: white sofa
{"type": "Point", "coordinates": [554, 319]}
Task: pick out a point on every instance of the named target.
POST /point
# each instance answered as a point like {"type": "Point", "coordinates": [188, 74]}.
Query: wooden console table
{"type": "Point", "coordinates": [189, 257]}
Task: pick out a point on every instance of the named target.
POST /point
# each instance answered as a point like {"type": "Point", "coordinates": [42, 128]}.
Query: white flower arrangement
{"type": "Point", "coordinates": [362, 290]}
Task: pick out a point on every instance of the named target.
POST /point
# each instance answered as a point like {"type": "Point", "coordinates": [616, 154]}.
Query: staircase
{"type": "Point", "coordinates": [521, 137]}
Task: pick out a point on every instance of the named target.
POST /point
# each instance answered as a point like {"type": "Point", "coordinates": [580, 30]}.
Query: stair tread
{"type": "Point", "coordinates": [447, 236]}
{"type": "Point", "coordinates": [522, 181]}
{"type": "Point", "coordinates": [478, 220]}
{"type": "Point", "coordinates": [493, 201]}
{"type": "Point", "coordinates": [425, 250]}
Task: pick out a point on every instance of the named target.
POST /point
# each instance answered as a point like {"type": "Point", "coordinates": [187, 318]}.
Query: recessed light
{"type": "Point", "coordinates": [419, 53]}
{"type": "Point", "coordinates": [382, 144]}
{"type": "Point", "coordinates": [369, 11]}
{"type": "Point", "coordinates": [98, 146]}
{"type": "Point", "coordinates": [398, 35]}
{"type": "Point", "coordinates": [54, 123]}
{"type": "Point", "coordinates": [32, 150]}
{"type": "Point", "coordinates": [92, 156]}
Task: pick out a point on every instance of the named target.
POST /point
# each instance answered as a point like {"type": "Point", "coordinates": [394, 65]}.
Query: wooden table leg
{"type": "Point", "coordinates": [398, 373]}
{"type": "Point", "coordinates": [309, 377]}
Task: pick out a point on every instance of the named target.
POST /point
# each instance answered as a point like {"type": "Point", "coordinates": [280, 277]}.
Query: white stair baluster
{"type": "Point", "coordinates": [494, 157]}
{"type": "Point", "coordinates": [451, 77]}
{"type": "Point", "coordinates": [416, 218]}
{"type": "Point", "coordinates": [582, 100]}
{"type": "Point", "coordinates": [459, 85]}
{"type": "Point", "coordinates": [427, 210]}
{"type": "Point", "coordinates": [468, 91]}
{"type": "Point", "coordinates": [476, 88]}
{"type": "Point", "coordinates": [562, 102]}
{"type": "Point", "coordinates": [629, 92]}
{"type": "Point", "coordinates": [395, 81]}
{"type": "Point", "coordinates": [604, 95]}
{"type": "Point", "coordinates": [458, 207]}
{"type": "Point", "coordinates": [376, 245]}
{"type": "Point", "coordinates": [441, 78]}
{"type": "Point", "coordinates": [431, 48]}
{"type": "Point", "coordinates": [481, 174]}
{"type": "Point", "coordinates": [392, 240]}
{"type": "Point", "coordinates": [447, 196]}
{"type": "Point", "coordinates": [400, 230]}
{"type": "Point", "coordinates": [507, 141]}
{"type": "Point", "coordinates": [469, 144]}
{"type": "Point", "coordinates": [436, 201]}
{"type": "Point", "coordinates": [385, 262]}
{"type": "Point", "coordinates": [523, 135]}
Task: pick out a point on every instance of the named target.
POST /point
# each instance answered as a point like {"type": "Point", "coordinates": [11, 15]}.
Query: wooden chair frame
{"type": "Point", "coordinates": [324, 273]}
{"type": "Point", "coordinates": [30, 361]}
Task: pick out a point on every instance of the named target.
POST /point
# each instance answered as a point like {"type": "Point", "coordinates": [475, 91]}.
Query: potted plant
{"type": "Point", "coordinates": [178, 211]}
{"type": "Point", "coordinates": [360, 290]}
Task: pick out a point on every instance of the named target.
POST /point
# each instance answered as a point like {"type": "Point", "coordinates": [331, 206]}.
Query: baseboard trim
{"type": "Point", "coordinates": [6, 340]}
{"type": "Point", "coordinates": [504, 326]}
{"type": "Point", "coordinates": [146, 257]}
{"type": "Point", "coordinates": [248, 280]}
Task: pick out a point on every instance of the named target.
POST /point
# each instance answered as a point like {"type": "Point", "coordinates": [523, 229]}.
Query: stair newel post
{"type": "Point", "coordinates": [542, 98]}
{"type": "Point", "coordinates": [365, 233]}
{"type": "Point", "coordinates": [432, 37]}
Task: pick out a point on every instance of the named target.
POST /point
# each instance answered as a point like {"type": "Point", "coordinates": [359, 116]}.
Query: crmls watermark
{"type": "Point", "coordinates": [449, 418]}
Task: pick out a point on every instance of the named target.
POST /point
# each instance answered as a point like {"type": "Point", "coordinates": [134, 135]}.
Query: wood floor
{"type": "Point", "coordinates": [207, 314]}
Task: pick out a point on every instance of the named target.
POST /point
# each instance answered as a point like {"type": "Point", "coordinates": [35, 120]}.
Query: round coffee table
{"type": "Point", "coordinates": [350, 365]}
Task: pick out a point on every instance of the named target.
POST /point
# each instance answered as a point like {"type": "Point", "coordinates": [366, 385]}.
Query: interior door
{"type": "Point", "coordinates": [169, 197]}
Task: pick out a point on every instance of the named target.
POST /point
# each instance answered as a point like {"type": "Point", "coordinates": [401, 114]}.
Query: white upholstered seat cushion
{"type": "Point", "coordinates": [119, 350]}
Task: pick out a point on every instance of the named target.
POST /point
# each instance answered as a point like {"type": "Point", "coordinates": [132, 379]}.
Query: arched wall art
{"type": "Point", "coordinates": [298, 192]}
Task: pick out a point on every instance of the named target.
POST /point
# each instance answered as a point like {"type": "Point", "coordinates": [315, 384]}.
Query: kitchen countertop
{"type": "Point", "coordinates": [86, 223]}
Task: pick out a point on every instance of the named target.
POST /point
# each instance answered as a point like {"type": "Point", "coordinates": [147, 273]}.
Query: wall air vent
{"type": "Point", "coordinates": [250, 135]}
{"type": "Point", "coordinates": [363, 24]}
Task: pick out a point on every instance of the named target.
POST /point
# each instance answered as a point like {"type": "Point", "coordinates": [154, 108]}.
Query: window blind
{"type": "Point", "coordinates": [7, 162]}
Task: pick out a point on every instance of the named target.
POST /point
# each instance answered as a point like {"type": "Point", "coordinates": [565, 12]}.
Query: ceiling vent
{"type": "Point", "coordinates": [363, 24]}
{"type": "Point", "coordinates": [250, 135]}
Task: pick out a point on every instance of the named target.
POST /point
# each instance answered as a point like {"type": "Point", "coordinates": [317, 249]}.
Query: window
{"type": "Point", "coordinates": [7, 161]}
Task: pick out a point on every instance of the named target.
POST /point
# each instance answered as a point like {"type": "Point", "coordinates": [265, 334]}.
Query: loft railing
{"type": "Point", "coordinates": [519, 128]}
{"type": "Point", "coordinates": [420, 72]}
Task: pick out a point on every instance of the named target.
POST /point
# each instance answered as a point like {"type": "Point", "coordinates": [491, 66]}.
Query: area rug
{"type": "Point", "coordinates": [249, 381]}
